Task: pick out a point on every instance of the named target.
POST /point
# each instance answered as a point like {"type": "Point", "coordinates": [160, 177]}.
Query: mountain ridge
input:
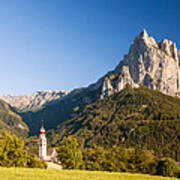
{"type": "Point", "coordinates": [36, 100]}
{"type": "Point", "coordinates": [145, 65]}
{"type": "Point", "coordinates": [148, 63]}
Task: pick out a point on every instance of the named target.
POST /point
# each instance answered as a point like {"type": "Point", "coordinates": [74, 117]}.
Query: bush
{"type": "Point", "coordinates": [168, 167]}
{"type": "Point", "coordinates": [145, 161]}
{"type": "Point", "coordinates": [36, 163]}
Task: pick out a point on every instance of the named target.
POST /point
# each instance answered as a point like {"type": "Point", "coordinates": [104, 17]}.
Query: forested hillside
{"type": "Point", "coordinates": [139, 118]}
{"type": "Point", "coordinates": [59, 112]}
{"type": "Point", "coordinates": [134, 117]}
{"type": "Point", "coordinates": [11, 121]}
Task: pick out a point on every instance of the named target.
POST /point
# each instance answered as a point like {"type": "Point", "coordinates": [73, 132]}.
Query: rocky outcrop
{"type": "Point", "coordinates": [149, 63]}
{"type": "Point", "coordinates": [36, 100]}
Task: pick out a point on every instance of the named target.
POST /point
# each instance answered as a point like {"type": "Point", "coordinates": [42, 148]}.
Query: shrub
{"type": "Point", "coordinates": [33, 162]}
{"type": "Point", "coordinates": [145, 161]}
{"type": "Point", "coordinates": [168, 167]}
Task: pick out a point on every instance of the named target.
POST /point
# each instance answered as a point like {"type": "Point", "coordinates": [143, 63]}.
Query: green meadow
{"type": "Point", "coordinates": [44, 174]}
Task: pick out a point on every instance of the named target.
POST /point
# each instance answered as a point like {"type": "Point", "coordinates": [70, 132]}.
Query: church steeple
{"type": "Point", "coordinates": [42, 130]}
{"type": "Point", "coordinates": [42, 143]}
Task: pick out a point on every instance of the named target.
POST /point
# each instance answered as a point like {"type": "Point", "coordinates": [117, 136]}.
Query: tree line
{"type": "Point", "coordinates": [116, 159]}
{"type": "Point", "coordinates": [96, 158]}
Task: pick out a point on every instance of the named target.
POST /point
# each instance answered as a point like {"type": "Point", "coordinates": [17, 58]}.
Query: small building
{"type": "Point", "coordinates": [52, 155]}
{"type": "Point", "coordinates": [47, 155]}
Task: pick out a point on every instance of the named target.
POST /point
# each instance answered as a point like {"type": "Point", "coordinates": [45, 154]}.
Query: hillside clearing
{"type": "Point", "coordinates": [43, 174]}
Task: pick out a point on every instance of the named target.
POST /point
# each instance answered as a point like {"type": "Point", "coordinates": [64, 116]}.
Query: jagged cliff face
{"type": "Point", "coordinates": [149, 63]}
{"type": "Point", "coordinates": [34, 101]}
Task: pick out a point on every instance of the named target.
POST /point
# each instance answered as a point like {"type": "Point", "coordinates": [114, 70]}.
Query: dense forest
{"type": "Point", "coordinates": [133, 118]}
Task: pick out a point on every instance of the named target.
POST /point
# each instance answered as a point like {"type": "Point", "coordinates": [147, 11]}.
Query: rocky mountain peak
{"type": "Point", "coordinates": [143, 35]}
{"type": "Point", "coordinates": [148, 63]}
{"type": "Point", "coordinates": [143, 39]}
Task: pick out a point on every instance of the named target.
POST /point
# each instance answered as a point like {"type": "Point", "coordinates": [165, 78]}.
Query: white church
{"type": "Point", "coordinates": [46, 155]}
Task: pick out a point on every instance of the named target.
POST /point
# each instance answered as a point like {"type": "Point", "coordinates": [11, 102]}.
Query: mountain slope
{"type": "Point", "coordinates": [56, 113]}
{"type": "Point", "coordinates": [155, 65]}
{"type": "Point", "coordinates": [140, 118]}
{"type": "Point", "coordinates": [34, 101]}
{"type": "Point", "coordinates": [10, 120]}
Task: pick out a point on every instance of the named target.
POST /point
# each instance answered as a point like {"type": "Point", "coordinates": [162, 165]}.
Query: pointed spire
{"type": "Point", "coordinates": [145, 39]}
{"type": "Point", "coordinates": [42, 123]}
{"type": "Point", "coordinates": [143, 34]}
{"type": "Point", "coordinates": [42, 130]}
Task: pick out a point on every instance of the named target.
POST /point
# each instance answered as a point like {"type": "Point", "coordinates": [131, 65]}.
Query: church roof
{"type": "Point", "coordinates": [42, 130]}
{"type": "Point", "coordinates": [51, 151]}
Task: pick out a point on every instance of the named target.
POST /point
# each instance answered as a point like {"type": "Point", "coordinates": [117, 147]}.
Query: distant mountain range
{"type": "Point", "coordinates": [34, 101]}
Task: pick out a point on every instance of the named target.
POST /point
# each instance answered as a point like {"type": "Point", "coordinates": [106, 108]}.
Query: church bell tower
{"type": "Point", "coordinates": [42, 144]}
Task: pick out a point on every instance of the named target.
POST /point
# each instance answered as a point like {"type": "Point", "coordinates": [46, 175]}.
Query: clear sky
{"type": "Point", "coordinates": [64, 44]}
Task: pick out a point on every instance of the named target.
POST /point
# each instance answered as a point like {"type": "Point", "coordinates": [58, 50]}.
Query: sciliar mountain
{"type": "Point", "coordinates": [152, 64]}
{"type": "Point", "coordinates": [155, 65]}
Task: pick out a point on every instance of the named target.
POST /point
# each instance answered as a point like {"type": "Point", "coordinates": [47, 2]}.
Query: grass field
{"type": "Point", "coordinates": [40, 174]}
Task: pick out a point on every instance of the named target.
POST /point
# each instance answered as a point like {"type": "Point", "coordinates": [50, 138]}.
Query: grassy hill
{"type": "Point", "coordinates": [38, 174]}
{"type": "Point", "coordinates": [139, 118]}
{"type": "Point", "coordinates": [10, 120]}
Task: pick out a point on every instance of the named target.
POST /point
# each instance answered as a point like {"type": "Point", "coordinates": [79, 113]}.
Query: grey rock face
{"type": "Point", "coordinates": [155, 65]}
{"type": "Point", "coordinates": [36, 100]}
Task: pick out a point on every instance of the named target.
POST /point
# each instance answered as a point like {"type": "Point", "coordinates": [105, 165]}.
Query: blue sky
{"type": "Point", "coordinates": [64, 44]}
